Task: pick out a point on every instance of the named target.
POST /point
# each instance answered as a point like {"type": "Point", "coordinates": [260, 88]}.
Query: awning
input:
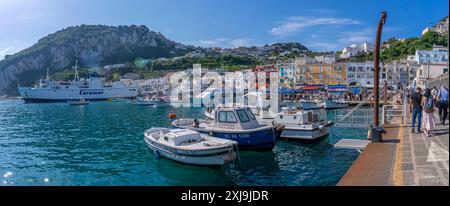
{"type": "Point", "coordinates": [311, 87]}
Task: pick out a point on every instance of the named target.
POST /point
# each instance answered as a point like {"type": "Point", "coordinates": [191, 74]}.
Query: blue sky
{"type": "Point", "coordinates": [320, 25]}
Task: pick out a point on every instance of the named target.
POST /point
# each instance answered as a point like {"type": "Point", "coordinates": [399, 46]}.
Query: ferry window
{"type": "Point", "coordinates": [250, 113]}
{"type": "Point", "coordinates": [242, 115]}
{"type": "Point", "coordinates": [227, 117]}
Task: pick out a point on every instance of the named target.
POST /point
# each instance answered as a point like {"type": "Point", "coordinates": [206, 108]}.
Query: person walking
{"type": "Point", "coordinates": [443, 104]}
{"type": "Point", "coordinates": [415, 105]}
{"type": "Point", "coordinates": [428, 112]}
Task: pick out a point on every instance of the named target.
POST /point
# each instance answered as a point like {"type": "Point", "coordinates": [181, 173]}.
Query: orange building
{"type": "Point", "coordinates": [326, 74]}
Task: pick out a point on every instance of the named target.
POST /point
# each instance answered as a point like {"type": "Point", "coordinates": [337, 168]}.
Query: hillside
{"type": "Point", "coordinates": [99, 45]}
{"type": "Point", "coordinates": [91, 45]}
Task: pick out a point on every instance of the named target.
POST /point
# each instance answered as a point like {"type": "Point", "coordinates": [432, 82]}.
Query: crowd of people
{"type": "Point", "coordinates": [423, 105]}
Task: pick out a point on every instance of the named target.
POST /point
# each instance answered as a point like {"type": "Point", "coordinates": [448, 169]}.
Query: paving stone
{"type": "Point", "coordinates": [422, 161]}
{"type": "Point", "coordinates": [426, 171]}
{"type": "Point", "coordinates": [430, 182]}
{"type": "Point", "coordinates": [408, 178]}
{"type": "Point", "coordinates": [407, 166]}
{"type": "Point", "coordinates": [406, 159]}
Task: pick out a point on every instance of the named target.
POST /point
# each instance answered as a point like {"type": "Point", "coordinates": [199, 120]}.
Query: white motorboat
{"type": "Point", "coordinates": [78, 102]}
{"type": "Point", "coordinates": [302, 125]}
{"type": "Point", "coordinates": [335, 104]}
{"type": "Point", "coordinates": [144, 102]}
{"type": "Point", "coordinates": [310, 105]}
{"type": "Point", "coordinates": [190, 147]}
{"type": "Point", "coordinates": [298, 125]}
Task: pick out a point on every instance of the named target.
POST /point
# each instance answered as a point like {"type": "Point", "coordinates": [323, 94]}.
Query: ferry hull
{"type": "Point", "coordinates": [37, 95]}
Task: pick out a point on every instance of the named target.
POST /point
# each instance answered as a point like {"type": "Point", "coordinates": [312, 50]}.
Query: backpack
{"type": "Point", "coordinates": [429, 105]}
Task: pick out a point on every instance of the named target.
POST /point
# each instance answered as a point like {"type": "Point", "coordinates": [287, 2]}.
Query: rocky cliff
{"type": "Point", "coordinates": [91, 45]}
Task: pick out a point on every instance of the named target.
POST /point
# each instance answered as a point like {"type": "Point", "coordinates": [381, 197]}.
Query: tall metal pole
{"type": "Point", "coordinates": [376, 64]}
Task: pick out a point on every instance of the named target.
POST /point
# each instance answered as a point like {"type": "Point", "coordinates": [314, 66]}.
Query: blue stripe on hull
{"type": "Point", "coordinates": [29, 100]}
{"type": "Point", "coordinates": [263, 140]}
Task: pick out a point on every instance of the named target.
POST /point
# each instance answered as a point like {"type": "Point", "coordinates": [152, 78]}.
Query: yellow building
{"type": "Point", "coordinates": [326, 74]}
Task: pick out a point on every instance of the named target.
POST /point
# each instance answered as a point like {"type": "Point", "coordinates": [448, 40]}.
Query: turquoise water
{"type": "Point", "coordinates": [102, 144]}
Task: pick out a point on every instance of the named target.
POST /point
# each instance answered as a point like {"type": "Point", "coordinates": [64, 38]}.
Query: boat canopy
{"type": "Point", "coordinates": [284, 90]}
{"type": "Point", "coordinates": [337, 88]}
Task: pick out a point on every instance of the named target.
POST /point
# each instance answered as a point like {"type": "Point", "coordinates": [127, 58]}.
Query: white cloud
{"type": "Point", "coordinates": [365, 35]}
{"type": "Point", "coordinates": [5, 51]}
{"type": "Point", "coordinates": [298, 23]}
{"type": "Point", "coordinates": [223, 42]}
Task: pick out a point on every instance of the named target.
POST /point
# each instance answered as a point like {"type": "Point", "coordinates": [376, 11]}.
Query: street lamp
{"type": "Point", "coordinates": [376, 131]}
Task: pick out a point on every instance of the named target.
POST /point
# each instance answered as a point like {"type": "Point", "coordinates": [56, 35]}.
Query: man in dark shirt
{"type": "Point", "coordinates": [415, 105]}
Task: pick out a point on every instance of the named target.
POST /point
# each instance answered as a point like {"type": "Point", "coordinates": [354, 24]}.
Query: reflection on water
{"type": "Point", "coordinates": [102, 144]}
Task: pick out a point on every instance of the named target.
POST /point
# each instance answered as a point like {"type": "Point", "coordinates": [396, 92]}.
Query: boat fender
{"type": "Point", "coordinates": [196, 123]}
{"type": "Point", "coordinates": [320, 126]}
{"type": "Point", "coordinates": [157, 154]}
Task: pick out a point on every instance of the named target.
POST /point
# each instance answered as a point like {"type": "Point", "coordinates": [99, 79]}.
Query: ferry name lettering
{"type": "Point", "coordinates": [92, 92]}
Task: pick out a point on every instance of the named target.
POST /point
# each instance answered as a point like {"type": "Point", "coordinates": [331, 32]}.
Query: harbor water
{"type": "Point", "coordinates": [102, 144]}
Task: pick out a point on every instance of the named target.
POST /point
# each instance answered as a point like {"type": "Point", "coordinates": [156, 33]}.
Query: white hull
{"type": "Point", "coordinates": [332, 104]}
{"type": "Point", "coordinates": [297, 133]}
{"type": "Point", "coordinates": [310, 105]}
{"type": "Point", "coordinates": [212, 157]}
{"type": "Point", "coordinates": [63, 95]}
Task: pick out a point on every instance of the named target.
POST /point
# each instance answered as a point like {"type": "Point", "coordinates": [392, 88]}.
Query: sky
{"type": "Point", "coordinates": [320, 25]}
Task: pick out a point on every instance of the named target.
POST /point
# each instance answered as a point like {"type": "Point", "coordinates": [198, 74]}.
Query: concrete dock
{"type": "Point", "coordinates": [403, 158]}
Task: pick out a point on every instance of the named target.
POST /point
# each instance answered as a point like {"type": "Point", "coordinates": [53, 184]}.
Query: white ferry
{"type": "Point", "coordinates": [92, 89]}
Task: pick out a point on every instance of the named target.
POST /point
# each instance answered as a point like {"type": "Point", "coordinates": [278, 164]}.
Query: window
{"type": "Point", "coordinates": [227, 117]}
{"type": "Point", "coordinates": [250, 113]}
{"type": "Point", "coordinates": [242, 115]}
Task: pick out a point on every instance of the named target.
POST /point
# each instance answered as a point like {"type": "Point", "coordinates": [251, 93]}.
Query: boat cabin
{"type": "Point", "coordinates": [241, 118]}
{"type": "Point", "coordinates": [300, 117]}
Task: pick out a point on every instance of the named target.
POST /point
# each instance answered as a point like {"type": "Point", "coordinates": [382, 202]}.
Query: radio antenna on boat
{"type": "Point", "coordinates": [48, 74]}
{"type": "Point", "coordinates": [75, 68]}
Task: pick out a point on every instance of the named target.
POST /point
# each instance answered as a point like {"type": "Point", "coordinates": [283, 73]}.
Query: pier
{"type": "Point", "coordinates": [403, 158]}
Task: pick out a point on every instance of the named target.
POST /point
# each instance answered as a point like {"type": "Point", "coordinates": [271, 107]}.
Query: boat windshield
{"type": "Point", "coordinates": [250, 113]}
{"type": "Point", "coordinates": [243, 115]}
{"type": "Point", "coordinates": [227, 116]}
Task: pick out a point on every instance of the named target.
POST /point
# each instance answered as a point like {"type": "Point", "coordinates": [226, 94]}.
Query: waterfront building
{"type": "Point", "coordinates": [427, 72]}
{"type": "Point", "coordinates": [301, 68]}
{"type": "Point", "coordinates": [267, 70]}
{"type": "Point", "coordinates": [360, 73]}
{"type": "Point", "coordinates": [286, 71]}
{"type": "Point", "coordinates": [326, 74]}
{"type": "Point", "coordinates": [438, 54]}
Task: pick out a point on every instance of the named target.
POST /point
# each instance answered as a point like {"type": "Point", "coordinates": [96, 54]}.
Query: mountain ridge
{"type": "Point", "coordinates": [99, 45]}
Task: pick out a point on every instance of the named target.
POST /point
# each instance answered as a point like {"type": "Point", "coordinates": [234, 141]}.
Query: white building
{"type": "Point", "coordinates": [301, 68]}
{"type": "Point", "coordinates": [326, 59]}
{"type": "Point", "coordinates": [360, 73]}
{"type": "Point", "coordinates": [437, 55]}
{"type": "Point", "coordinates": [356, 50]}
{"type": "Point", "coordinates": [428, 72]}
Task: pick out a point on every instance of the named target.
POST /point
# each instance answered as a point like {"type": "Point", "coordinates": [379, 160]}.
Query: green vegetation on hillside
{"type": "Point", "coordinates": [400, 49]}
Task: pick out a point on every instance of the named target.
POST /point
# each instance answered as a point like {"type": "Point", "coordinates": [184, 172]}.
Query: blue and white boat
{"type": "Point", "coordinates": [238, 124]}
